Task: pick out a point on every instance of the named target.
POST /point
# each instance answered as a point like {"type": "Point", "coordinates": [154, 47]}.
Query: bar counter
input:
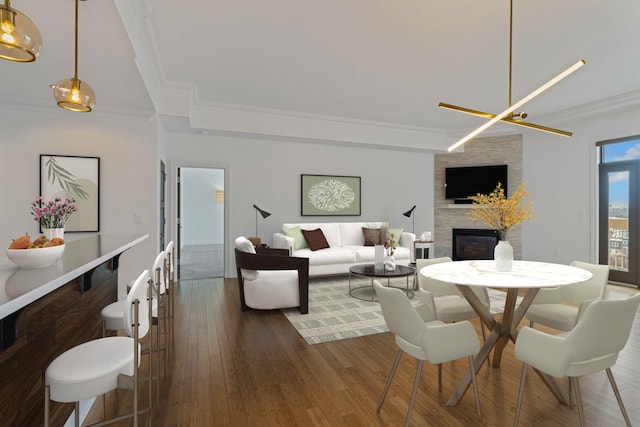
{"type": "Point", "coordinates": [45, 311]}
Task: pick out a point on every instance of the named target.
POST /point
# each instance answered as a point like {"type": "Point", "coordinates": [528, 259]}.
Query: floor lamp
{"type": "Point", "coordinates": [256, 240]}
{"type": "Point", "coordinates": [408, 214]}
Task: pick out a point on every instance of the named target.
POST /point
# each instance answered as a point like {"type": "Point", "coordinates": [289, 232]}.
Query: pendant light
{"type": "Point", "coordinates": [509, 114]}
{"type": "Point", "coordinates": [73, 94]}
{"type": "Point", "coordinates": [20, 39]}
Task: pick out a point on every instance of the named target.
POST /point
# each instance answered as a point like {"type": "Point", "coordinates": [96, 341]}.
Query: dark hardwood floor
{"type": "Point", "coordinates": [231, 368]}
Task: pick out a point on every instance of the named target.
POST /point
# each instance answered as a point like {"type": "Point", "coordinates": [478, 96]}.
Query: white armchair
{"type": "Point", "coordinates": [269, 280]}
{"type": "Point", "coordinates": [561, 307]}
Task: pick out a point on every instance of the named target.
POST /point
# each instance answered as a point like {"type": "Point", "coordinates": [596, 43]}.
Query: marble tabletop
{"type": "Point", "coordinates": [525, 274]}
{"type": "Point", "coordinates": [20, 287]}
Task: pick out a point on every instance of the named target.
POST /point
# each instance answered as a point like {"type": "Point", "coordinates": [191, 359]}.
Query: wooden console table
{"type": "Point", "coordinates": [44, 312]}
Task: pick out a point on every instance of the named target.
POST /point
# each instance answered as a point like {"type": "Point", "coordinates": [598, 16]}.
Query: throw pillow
{"type": "Point", "coordinates": [397, 234]}
{"type": "Point", "coordinates": [373, 236]}
{"type": "Point", "coordinates": [315, 239]}
{"type": "Point", "coordinates": [299, 241]}
{"type": "Point", "coordinates": [244, 245]}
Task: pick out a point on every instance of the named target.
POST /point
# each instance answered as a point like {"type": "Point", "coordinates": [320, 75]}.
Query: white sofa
{"type": "Point", "coordinates": [346, 241]}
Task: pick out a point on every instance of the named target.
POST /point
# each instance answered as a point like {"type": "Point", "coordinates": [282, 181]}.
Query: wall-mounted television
{"type": "Point", "coordinates": [462, 182]}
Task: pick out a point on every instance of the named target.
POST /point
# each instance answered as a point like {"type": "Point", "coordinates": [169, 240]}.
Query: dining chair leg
{"type": "Point", "coordinates": [576, 387]}
{"type": "Point", "coordinates": [416, 382]}
{"type": "Point", "coordinates": [614, 386]}
{"type": "Point", "coordinates": [523, 379]}
{"type": "Point", "coordinates": [571, 393]}
{"type": "Point", "coordinates": [391, 374]}
{"type": "Point", "coordinates": [531, 322]}
{"type": "Point", "coordinates": [440, 377]}
{"type": "Point", "coordinates": [77, 414]}
{"type": "Point", "coordinates": [472, 371]}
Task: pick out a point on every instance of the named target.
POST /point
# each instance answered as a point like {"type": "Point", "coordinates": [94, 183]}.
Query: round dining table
{"type": "Point", "coordinates": [524, 279]}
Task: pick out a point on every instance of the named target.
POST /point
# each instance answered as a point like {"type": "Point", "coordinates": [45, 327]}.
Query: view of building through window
{"type": "Point", "coordinates": [618, 204]}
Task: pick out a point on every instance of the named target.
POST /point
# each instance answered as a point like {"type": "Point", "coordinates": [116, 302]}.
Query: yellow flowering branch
{"type": "Point", "coordinates": [500, 213]}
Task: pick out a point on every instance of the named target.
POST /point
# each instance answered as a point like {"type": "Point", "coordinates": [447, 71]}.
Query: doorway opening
{"type": "Point", "coordinates": [200, 222]}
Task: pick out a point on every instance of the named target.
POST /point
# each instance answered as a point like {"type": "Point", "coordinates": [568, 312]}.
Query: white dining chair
{"type": "Point", "coordinates": [446, 302]}
{"type": "Point", "coordinates": [592, 345]}
{"type": "Point", "coordinates": [424, 338]}
{"type": "Point", "coordinates": [96, 367]}
{"type": "Point", "coordinates": [559, 308]}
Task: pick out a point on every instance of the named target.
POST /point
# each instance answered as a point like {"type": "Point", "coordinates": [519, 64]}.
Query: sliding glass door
{"type": "Point", "coordinates": [618, 205]}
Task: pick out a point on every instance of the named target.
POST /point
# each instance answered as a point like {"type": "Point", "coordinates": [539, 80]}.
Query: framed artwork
{"type": "Point", "coordinates": [330, 195]}
{"type": "Point", "coordinates": [74, 177]}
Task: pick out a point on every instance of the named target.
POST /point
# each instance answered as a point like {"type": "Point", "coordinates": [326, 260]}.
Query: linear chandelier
{"type": "Point", "coordinates": [508, 115]}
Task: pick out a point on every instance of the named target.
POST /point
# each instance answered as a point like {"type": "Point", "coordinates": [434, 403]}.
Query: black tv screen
{"type": "Point", "coordinates": [462, 182]}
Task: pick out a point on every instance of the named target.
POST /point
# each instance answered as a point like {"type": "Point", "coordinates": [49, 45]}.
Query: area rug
{"type": "Point", "coordinates": [335, 315]}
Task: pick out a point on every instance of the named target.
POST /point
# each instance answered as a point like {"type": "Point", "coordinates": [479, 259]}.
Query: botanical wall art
{"type": "Point", "coordinates": [324, 195]}
{"type": "Point", "coordinates": [73, 177]}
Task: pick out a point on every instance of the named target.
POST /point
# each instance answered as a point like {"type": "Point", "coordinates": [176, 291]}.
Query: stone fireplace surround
{"type": "Point", "coordinates": [493, 150]}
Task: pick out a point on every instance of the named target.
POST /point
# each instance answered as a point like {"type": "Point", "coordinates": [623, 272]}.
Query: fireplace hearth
{"type": "Point", "coordinates": [473, 243]}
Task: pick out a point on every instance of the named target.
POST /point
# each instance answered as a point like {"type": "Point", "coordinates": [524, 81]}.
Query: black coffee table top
{"type": "Point", "coordinates": [369, 270]}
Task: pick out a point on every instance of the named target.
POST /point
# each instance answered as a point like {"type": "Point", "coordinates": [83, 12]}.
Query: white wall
{"type": "Point", "coordinates": [561, 175]}
{"type": "Point", "coordinates": [128, 172]}
{"type": "Point", "coordinates": [267, 173]}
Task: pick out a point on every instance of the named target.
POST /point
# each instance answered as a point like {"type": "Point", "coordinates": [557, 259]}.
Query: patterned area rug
{"type": "Point", "coordinates": [334, 315]}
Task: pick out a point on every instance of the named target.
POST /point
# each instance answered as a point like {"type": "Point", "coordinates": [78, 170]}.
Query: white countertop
{"type": "Point", "coordinates": [18, 287]}
{"type": "Point", "coordinates": [525, 274]}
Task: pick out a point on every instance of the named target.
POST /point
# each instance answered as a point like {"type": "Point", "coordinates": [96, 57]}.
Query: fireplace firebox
{"type": "Point", "coordinates": [473, 243]}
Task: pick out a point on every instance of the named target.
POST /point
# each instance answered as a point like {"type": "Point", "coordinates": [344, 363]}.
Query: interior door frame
{"type": "Point", "coordinates": [176, 198]}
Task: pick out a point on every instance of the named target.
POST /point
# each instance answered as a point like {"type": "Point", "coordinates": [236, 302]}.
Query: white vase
{"type": "Point", "coordinates": [389, 263]}
{"type": "Point", "coordinates": [378, 257]}
{"type": "Point", "coordinates": [50, 233]}
{"type": "Point", "coordinates": [503, 255]}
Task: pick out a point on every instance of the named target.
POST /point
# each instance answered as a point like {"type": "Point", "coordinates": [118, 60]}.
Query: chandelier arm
{"type": "Point", "coordinates": [506, 119]}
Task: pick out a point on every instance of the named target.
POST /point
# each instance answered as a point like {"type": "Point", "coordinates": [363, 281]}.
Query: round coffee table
{"type": "Point", "coordinates": [369, 270]}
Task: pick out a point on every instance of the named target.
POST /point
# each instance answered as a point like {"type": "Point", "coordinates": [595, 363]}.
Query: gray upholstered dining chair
{"type": "Point", "coordinates": [559, 308]}
{"type": "Point", "coordinates": [592, 345]}
{"type": "Point", "coordinates": [422, 336]}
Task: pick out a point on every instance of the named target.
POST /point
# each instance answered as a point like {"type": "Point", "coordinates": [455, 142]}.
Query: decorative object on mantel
{"type": "Point", "coordinates": [53, 215]}
{"type": "Point", "coordinates": [73, 94]}
{"type": "Point", "coordinates": [508, 115]}
{"type": "Point", "coordinates": [20, 39]}
{"type": "Point", "coordinates": [408, 214]}
{"type": "Point", "coordinates": [257, 240]}
{"type": "Point", "coordinates": [501, 213]}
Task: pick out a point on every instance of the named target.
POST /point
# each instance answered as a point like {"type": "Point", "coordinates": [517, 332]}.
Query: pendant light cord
{"type": "Point", "coordinates": [75, 72]}
{"type": "Point", "coordinates": [510, 48]}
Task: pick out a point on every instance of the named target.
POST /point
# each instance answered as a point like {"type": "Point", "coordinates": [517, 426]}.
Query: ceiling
{"type": "Point", "coordinates": [357, 61]}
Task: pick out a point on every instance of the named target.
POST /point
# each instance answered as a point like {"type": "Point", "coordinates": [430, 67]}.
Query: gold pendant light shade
{"type": "Point", "coordinates": [74, 95]}
{"type": "Point", "coordinates": [20, 39]}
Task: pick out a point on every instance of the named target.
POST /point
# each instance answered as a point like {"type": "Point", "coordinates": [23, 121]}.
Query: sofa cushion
{"type": "Point", "coordinates": [315, 239]}
{"type": "Point", "coordinates": [299, 242]}
{"type": "Point", "coordinates": [374, 236]}
{"type": "Point", "coordinates": [336, 255]}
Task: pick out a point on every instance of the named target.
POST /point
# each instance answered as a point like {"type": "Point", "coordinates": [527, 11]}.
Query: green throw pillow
{"type": "Point", "coordinates": [397, 234]}
{"type": "Point", "coordinates": [299, 242]}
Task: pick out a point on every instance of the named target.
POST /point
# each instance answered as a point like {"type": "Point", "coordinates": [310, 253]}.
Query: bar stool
{"type": "Point", "coordinates": [169, 254]}
{"type": "Point", "coordinates": [113, 320]}
{"type": "Point", "coordinates": [104, 364]}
